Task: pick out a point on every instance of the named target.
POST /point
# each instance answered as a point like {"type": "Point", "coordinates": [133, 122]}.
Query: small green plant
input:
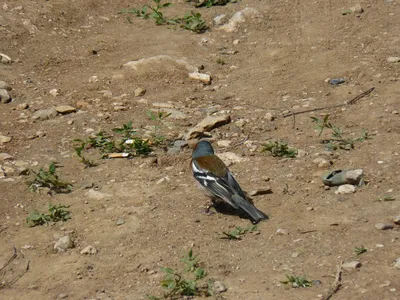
{"type": "Point", "coordinates": [49, 179]}
{"type": "Point", "coordinates": [297, 281]}
{"type": "Point", "coordinates": [360, 250]}
{"type": "Point", "coordinates": [386, 198]}
{"type": "Point", "coordinates": [102, 141]}
{"type": "Point", "coordinates": [239, 231]}
{"type": "Point", "coordinates": [79, 151]}
{"type": "Point", "coordinates": [56, 213]}
{"type": "Point", "coordinates": [157, 119]}
{"type": "Point", "coordinates": [220, 61]}
{"type": "Point", "coordinates": [126, 130]}
{"type": "Point", "coordinates": [177, 285]}
{"type": "Point", "coordinates": [194, 22]}
{"type": "Point", "coordinates": [279, 149]}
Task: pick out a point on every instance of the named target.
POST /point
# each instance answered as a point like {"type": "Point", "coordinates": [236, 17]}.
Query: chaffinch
{"type": "Point", "coordinates": [216, 181]}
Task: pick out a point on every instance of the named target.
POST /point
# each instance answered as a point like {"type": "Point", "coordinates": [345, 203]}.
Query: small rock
{"type": "Point", "coordinates": [205, 78]}
{"type": "Point", "coordinates": [5, 59]}
{"type": "Point", "coordinates": [219, 287]}
{"type": "Point", "coordinates": [207, 124]}
{"type": "Point", "coordinates": [281, 231]}
{"type": "Point", "coordinates": [163, 105]}
{"type": "Point", "coordinates": [322, 162]}
{"type": "Point", "coordinates": [164, 179]}
{"type": "Point", "coordinates": [106, 93]}
{"type": "Point", "coordinates": [236, 42]}
{"type": "Point", "coordinates": [397, 263]}
{"type": "Point", "coordinates": [89, 250]}
{"type": "Point", "coordinates": [173, 151]}
{"type": "Point", "coordinates": [383, 226]}
{"type": "Point", "coordinates": [220, 20]}
{"type": "Point", "coordinates": [393, 59]}
{"type": "Point", "coordinates": [65, 109]}
{"type": "Point", "coordinates": [242, 16]}
{"type": "Point", "coordinates": [93, 79]}
{"type": "Point", "coordinates": [120, 221]}
{"type": "Point", "coordinates": [44, 114]}
{"type": "Point", "coordinates": [295, 254]}
{"type": "Point", "coordinates": [96, 195]}
{"type": "Point", "coordinates": [262, 191]}
{"type": "Point", "coordinates": [140, 92]}
{"type": "Point", "coordinates": [395, 112]}
{"type": "Point", "coordinates": [180, 144]}
{"type": "Point", "coordinates": [4, 96]}
{"type": "Point", "coordinates": [396, 220]}
{"type": "Point", "coordinates": [23, 106]}
{"type": "Point", "coordinates": [120, 108]}
{"type": "Point", "coordinates": [351, 265]}
{"type": "Point", "coordinates": [157, 62]}
{"type": "Point", "coordinates": [224, 143]}
{"type": "Point", "coordinates": [63, 244]}
{"type": "Point", "coordinates": [269, 116]}
{"type": "Point", "coordinates": [357, 9]}
{"type": "Point", "coordinates": [5, 86]}
{"type": "Point", "coordinates": [62, 296]}
{"type": "Point", "coordinates": [346, 189]}
{"type": "Point", "coordinates": [5, 156]}
{"type": "Point", "coordinates": [354, 176]}
{"type": "Point", "coordinates": [5, 139]}
{"type": "Point", "coordinates": [54, 92]}
{"type": "Point", "coordinates": [337, 81]}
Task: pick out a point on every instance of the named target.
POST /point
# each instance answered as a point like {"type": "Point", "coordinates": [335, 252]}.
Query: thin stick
{"type": "Point", "coordinates": [350, 102]}
{"type": "Point", "coordinates": [336, 284]}
{"type": "Point", "coordinates": [13, 256]}
{"type": "Point", "coordinates": [18, 276]}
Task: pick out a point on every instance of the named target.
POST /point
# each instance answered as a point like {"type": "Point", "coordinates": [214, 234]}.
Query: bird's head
{"type": "Point", "coordinates": [202, 148]}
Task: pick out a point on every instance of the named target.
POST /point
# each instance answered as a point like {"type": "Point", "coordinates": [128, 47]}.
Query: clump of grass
{"type": "Point", "coordinates": [386, 198]}
{"type": "Point", "coordinates": [238, 232]}
{"type": "Point", "coordinates": [157, 118]}
{"type": "Point", "coordinates": [178, 285]}
{"type": "Point", "coordinates": [297, 281]}
{"type": "Point", "coordinates": [279, 149]}
{"type": "Point", "coordinates": [192, 21]}
{"type": "Point", "coordinates": [360, 250]}
{"type": "Point", "coordinates": [337, 140]}
{"type": "Point", "coordinates": [56, 213]}
{"type": "Point", "coordinates": [79, 151]}
{"type": "Point", "coordinates": [49, 179]}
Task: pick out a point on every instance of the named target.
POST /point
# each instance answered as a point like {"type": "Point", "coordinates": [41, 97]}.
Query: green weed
{"type": "Point", "coordinates": [279, 149]}
{"type": "Point", "coordinates": [79, 151]}
{"type": "Point", "coordinates": [56, 213]}
{"type": "Point", "coordinates": [194, 22]}
{"type": "Point", "coordinates": [157, 119]}
{"type": "Point", "coordinates": [49, 179]}
{"type": "Point", "coordinates": [239, 231]}
{"type": "Point", "coordinates": [297, 281]}
{"type": "Point", "coordinates": [386, 198]}
{"type": "Point", "coordinates": [360, 250]}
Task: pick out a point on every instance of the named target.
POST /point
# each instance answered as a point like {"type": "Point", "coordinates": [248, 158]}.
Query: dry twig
{"type": "Point", "coordinates": [336, 284]}
{"type": "Point", "coordinates": [18, 276]}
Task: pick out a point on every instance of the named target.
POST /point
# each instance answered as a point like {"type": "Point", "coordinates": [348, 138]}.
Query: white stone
{"type": "Point", "coordinates": [89, 250]}
{"type": "Point", "coordinates": [346, 189]}
{"type": "Point", "coordinates": [63, 244]}
{"type": "Point", "coordinates": [96, 195]}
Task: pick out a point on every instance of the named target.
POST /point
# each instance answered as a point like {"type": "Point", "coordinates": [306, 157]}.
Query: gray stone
{"type": "Point", "coordinates": [346, 189]}
{"type": "Point", "coordinates": [261, 191]}
{"type": "Point", "coordinates": [219, 287]}
{"type": "Point", "coordinates": [4, 85]}
{"type": "Point", "coordinates": [173, 151]}
{"type": "Point", "coordinates": [242, 16]}
{"type": "Point", "coordinates": [281, 231]}
{"type": "Point", "coordinates": [62, 296]}
{"type": "Point", "coordinates": [269, 116]}
{"type": "Point", "coordinates": [322, 163]}
{"type": "Point", "coordinates": [357, 9]}
{"type": "Point", "coordinates": [180, 144]}
{"type": "Point", "coordinates": [224, 143]}
{"type": "Point", "coordinates": [397, 263]}
{"type": "Point", "coordinates": [207, 124]}
{"type": "Point", "coordinates": [393, 59]}
{"type": "Point", "coordinates": [120, 221]}
{"type": "Point", "coordinates": [202, 77]}
{"type": "Point", "coordinates": [396, 220]}
{"type": "Point", "coordinates": [220, 20]}
{"type": "Point", "coordinates": [4, 96]}
{"type": "Point", "coordinates": [352, 265]}
{"type": "Point", "coordinates": [354, 176]}
{"type": "Point", "coordinates": [89, 250]}
{"type": "Point", "coordinates": [156, 61]}
{"type": "Point", "coordinates": [44, 114]}
{"type": "Point", "coordinates": [383, 226]}
{"type": "Point", "coordinates": [96, 195]}
{"type": "Point", "coordinates": [140, 92]}
{"type": "Point", "coordinates": [65, 109]}
{"type": "Point", "coordinates": [5, 156]}
{"type": "Point", "coordinates": [5, 139]}
{"type": "Point", "coordinates": [5, 59]}
{"type": "Point", "coordinates": [63, 244]}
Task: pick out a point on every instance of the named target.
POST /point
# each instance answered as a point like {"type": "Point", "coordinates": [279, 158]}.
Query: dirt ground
{"type": "Point", "coordinates": [275, 64]}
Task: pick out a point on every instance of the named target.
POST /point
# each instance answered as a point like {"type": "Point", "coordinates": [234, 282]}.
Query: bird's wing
{"type": "Point", "coordinates": [234, 184]}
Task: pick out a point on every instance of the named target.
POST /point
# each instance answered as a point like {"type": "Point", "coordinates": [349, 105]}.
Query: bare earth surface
{"type": "Point", "coordinates": [276, 61]}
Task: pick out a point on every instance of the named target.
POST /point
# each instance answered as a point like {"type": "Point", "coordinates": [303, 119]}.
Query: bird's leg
{"type": "Point", "coordinates": [208, 205]}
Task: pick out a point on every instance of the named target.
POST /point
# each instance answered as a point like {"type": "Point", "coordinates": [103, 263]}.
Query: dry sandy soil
{"type": "Point", "coordinates": [280, 62]}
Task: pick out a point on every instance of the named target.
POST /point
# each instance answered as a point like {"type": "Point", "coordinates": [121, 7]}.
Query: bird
{"type": "Point", "coordinates": [217, 182]}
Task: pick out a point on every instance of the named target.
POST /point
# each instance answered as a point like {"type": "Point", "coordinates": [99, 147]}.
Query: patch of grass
{"type": "Point", "coordinates": [279, 149]}
{"type": "Point", "coordinates": [239, 231]}
{"type": "Point", "coordinates": [49, 179]}
{"type": "Point", "coordinates": [386, 198]}
{"type": "Point", "coordinates": [56, 213]}
{"type": "Point", "coordinates": [194, 22]}
{"type": "Point", "coordinates": [337, 141]}
{"type": "Point", "coordinates": [297, 281]}
{"type": "Point", "coordinates": [178, 285]}
{"type": "Point", "coordinates": [157, 119]}
{"type": "Point", "coordinates": [360, 250]}
{"type": "Point", "coordinates": [79, 151]}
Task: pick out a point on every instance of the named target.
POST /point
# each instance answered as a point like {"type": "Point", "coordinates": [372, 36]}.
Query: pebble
{"type": "Point", "coordinates": [93, 78]}
{"type": "Point", "coordinates": [65, 109]}
{"type": "Point", "coordinates": [337, 81]}
{"type": "Point", "coordinates": [396, 220]}
{"type": "Point", "coordinates": [62, 296]}
{"type": "Point", "coordinates": [207, 124]}
{"type": "Point", "coordinates": [5, 156]}
{"type": "Point", "coordinates": [23, 106]}
{"type": "Point", "coordinates": [357, 9]}
{"type": "Point", "coordinates": [4, 96]}
{"type": "Point", "coordinates": [5, 86]}
{"type": "Point", "coordinates": [354, 176]}
{"type": "Point", "coordinates": [202, 77]}
{"type": "Point", "coordinates": [351, 265]}
{"type": "Point", "coordinates": [164, 179]}
{"type": "Point", "coordinates": [63, 244]}
{"type": "Point", "coordinates": [262, 191]}
{"type": "Point", "coordinates": [397, 263]}
{"type": "Point", "coordinates": [281, 231]}
{"type": "Point", "coordinates": [44, 114]}
{"type": "Point", "coordinates": [5, 139]}
{"type": "Point", "coordinates": [54, 92]}
{"type": "Point", "coordinates": [269, 116]}
{"type": "Point", "coordinates": [395, 112]}
{"type": "Point", "coordinates": [393, 59]}
{"type": "Point", "coordinates": [346, 189]}
{"type": "Point", "coordinates": [224, 143]}
{"type": "Point", "coordinates": [295, 254]}
{"type": "Point", "coordinates": [96, 195]}
{"type": "Point", "coordinates": [120, 221]}
{"type": "Point", "coordinates": [220, 20]}
{"type": "Point", "coordinates": [322, 162]}
{"type": "Point", "coordinates": [242, 16]}
{"type": "Point", "coordinates": [219, 287]}
{"type": "Point", "coordinates": [163, 105]}
{"type": "Point", "coordinates": [89, 250]}
{"type": "Point", "coordinates": [139, 92]}
{"type": "Point", "coordinates": [120, 108]}
{"type": "Point", "coordinates": [383, 226]}
{"type": "Point", "coordinates": [5, 59]}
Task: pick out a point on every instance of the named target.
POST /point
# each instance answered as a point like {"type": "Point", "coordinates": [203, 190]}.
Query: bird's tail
{"type": "Point", "coordinates": [254, 214]}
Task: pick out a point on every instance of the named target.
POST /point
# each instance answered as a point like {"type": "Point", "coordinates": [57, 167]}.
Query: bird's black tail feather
{"type": "Point", "coordinates": [254, 214]}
